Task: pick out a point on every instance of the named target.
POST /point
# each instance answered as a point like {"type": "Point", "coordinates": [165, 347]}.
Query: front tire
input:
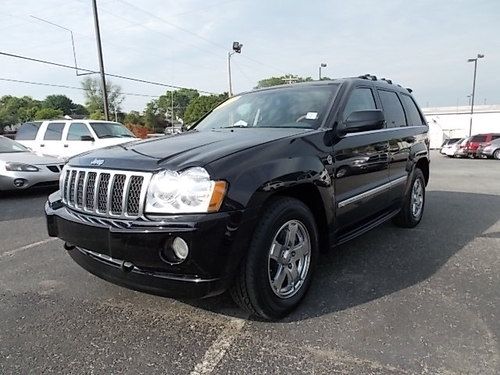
{"type": "Point", "coordinates": [413, 204]}
{"type": "Point", "coordinates": [277, 271]}
{"type": "Point", "coordinates": [496, 154]}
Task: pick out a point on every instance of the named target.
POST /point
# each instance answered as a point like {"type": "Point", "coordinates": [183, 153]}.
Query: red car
{"type": "Point", "coordinates": [473, 143]}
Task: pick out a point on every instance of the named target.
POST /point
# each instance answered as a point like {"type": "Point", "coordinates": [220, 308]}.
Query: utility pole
{"type": "Point", "coordinates": [322, 65]}
{"type": "Point", "coordinates": [101, 62]}
{"type": "Point", "coordinates": [479, 56]}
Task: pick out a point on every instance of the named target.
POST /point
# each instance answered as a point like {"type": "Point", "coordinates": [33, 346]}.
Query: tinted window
{"type": "Point", "coordinates": [478, 138]}
{"type": "Point", "coordinates": [411, 111]}
{"type": "Point", "coordinates": [54, 131]}
{"type": "Point", "coordinates": [361, 99]}
{"type": "Point", "coordinates": [77, 130]}
{"type": "Point", "coordinates": [393, 110]}
{"type": "Point", "coordinates": [111, 130]}
{"type": "Point", "coordinates": [495, 136]}
{"type": "Point", "coordinates": [27, 131]}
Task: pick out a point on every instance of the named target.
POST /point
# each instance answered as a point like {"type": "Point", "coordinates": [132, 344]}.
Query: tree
{"type": "Point", "coordinates": [94, 95]}
{"type": "Point", "coordinates": [202, 105]}
{"type": "Point", "coordinates": [59, 102]}
{"type": "Point", "coordinates": [14, 110]}
{"type": "Point", "coordinates": [134, 118]}
{"type": "Point", "coordinates": [48, 114]}
{"type": "Point", "coordinates": [275, 81]}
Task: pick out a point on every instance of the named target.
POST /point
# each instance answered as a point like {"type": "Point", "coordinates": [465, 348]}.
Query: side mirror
{"type": "Point", "coordinates": [87, 138]}
{"type": "Point", "coordinates": [360, 121]}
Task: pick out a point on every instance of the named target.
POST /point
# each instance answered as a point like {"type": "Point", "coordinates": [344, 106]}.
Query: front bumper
{"type": "Point", "coordinates": [41, 178]}
{"type": "Point", "coordinates": [130, 253]}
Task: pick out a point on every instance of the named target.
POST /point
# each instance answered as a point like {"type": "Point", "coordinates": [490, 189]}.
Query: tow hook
{"type": "Point", "coordinates": [127, 266]}
{"type": "Point", "coordinates": [68, 246]}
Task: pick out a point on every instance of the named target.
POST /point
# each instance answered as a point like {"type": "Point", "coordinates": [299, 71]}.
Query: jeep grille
{"type": "Point", "coordinates": [104, 192]}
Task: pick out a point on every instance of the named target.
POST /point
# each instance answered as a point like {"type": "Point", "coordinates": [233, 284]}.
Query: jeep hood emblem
{"type": "Point", "coordinates": [97, 162]}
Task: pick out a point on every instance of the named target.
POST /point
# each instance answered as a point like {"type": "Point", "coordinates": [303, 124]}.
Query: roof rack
{"type": "Point", "coordinates": [387, 80]}
{"type": "Point", "coordinates": [409, 90]}
{"type": "Point", "coordinates": [371, 77]}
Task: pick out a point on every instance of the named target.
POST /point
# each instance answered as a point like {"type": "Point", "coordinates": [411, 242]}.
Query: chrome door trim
{"type": "Point", "coordinates": [371, 192]}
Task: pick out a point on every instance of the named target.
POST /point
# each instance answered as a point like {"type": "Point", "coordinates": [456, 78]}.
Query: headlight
{"type": "Point", "coordinates": [20, 167]}
{"type": "Point", "coordinates": [188, 191]}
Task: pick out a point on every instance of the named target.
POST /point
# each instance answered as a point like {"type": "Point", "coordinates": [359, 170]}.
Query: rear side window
{"type": "Point", "coordinates": [361, 99]}
{"type": "Point", "coordinates": [495, 136]}
{"type": "Point", "coordinates": [77, 130]}
{"type": "Point", "coordinates": [393, 110]}
{"type": "Point", "coordinates": [27, 131]}
{"type": "Point", "coordinates": [412, 113]}
{"type": "Point", "coordinates": [54, 131]}
{"type": "Point", "coordinates": [478, 138]}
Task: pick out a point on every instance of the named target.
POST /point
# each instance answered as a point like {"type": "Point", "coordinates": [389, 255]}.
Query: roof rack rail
{"type": "Point", "coordinates": [371, 77]}
{"type": "Point", "coordinates": [409, 90]}
{"type": "Point", "coordinates": [387, 80]}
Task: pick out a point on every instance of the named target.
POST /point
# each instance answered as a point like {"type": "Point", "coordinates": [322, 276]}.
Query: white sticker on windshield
{"type": "Point", "coordinates": [240, 123]}
{"type": "Point", "coordinates": [312, 115]}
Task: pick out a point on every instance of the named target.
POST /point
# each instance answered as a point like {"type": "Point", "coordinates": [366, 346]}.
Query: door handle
{"type": "Point", "coordinates": [42, 145]}
{"type": "Point", "coordinates": [65, 145]}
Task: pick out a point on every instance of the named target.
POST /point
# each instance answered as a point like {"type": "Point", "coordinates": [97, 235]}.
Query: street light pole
{"type": "Point", "coordinates": [322, 65]}
{"type": "Point", "coordinates": [473, 95]}
{"type": "Point", "coordinates": [236, 49]}
{"type": "Point", "coordinates": [101, 61]}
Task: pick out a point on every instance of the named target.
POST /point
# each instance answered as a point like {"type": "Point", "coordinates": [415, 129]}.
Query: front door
{"type": "Point", "coordinates": [361, 167]}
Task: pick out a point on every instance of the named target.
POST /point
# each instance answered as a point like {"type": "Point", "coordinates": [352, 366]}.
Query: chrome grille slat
{"type": "Point", "coordinates": [105, 193]}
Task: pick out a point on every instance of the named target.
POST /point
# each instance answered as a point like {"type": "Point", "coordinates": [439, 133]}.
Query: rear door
{"type": "Point", "coordinates": [27, 134]}
{"type": "Point", "coordinates": [361, 166]}
{"type": "Point", "coordinates": [52, 143]}
{"type": "Point", "coordinates": [79, 138]}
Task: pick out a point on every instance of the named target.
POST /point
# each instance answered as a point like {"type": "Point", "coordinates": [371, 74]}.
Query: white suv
{"type": "Point", "coordinates": [66, 138]}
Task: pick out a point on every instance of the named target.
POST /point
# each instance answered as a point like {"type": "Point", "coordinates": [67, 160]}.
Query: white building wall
{"type": "Point", "coordinates": [453, 122]}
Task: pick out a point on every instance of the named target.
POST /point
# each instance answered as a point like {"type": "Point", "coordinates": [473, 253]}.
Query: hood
{"type": "Point", "coordinates": [183, 150]}
{"type": "Point", "coordinates": [29, 158]}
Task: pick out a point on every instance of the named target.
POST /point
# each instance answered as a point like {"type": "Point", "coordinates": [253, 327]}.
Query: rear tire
{"type": "Point", "coordinates": [277, 271]}
{"type": "Point", "coordinates": [496, 154]}
{"type": "Point", "coordinates": [413, 203]}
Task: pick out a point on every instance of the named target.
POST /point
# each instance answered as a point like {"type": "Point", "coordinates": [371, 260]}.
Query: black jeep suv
{"type": "Point", "coordinates": [248, 196]}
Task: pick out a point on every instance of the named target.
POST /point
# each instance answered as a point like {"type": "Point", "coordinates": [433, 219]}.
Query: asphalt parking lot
{"type": "Point", "coordinates": [394, 301]}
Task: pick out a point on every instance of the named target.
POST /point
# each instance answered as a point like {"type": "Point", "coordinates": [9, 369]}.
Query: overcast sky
{"type": "Point", "coordinates": [419, 44]}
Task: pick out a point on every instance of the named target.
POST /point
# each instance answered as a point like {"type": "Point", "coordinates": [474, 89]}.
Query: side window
{"type": "Point", "coordinates": [479, 138]}
{"type": "Point", "coordinates": [77, 130]}
{"type": "Point", "coordinates": [360, 99]}
{"type": "Point", "coordinates": [54, 131]}
{"type": "Point", "coordinates": [393, 110]}
{"type": "Point", "coordinates": [27, 131]}
{"type": "Point", "coordinates": [495, 136]}
{"type": "Point", "coordinates": [412, 112]}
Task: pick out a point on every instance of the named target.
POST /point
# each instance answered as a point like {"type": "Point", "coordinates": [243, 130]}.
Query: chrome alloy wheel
{"type": "Point", "coordinates": [417, 198]}
{"type": "Point", "coordinates": [289, 259]}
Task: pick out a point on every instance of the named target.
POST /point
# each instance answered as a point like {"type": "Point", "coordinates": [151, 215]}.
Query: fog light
{"type": "Point", "coordinates": [19, 182]}
{"type": "Point", "coordinates": [180, 247]}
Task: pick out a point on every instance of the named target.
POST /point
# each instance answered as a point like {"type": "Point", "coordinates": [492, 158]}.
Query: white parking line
{"type": "Point", "coordinates": [25, 247]}
{"type": "Point", "coordinates": [219, 347]}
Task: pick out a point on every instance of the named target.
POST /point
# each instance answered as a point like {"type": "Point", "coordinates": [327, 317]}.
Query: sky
{"type": "Point", "coordinates": [419, 44]}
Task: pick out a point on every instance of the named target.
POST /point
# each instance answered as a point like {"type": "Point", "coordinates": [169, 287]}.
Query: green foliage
{"type": "Point", "coordinates": [94, 95]}
{"type": "Point", "coordinates": [48, 114]}
{"type": "Point", "coordinates": [201, 105]}
{"type": "Point", "coordinates": [282, 80]}
{"type": "Point", "coordinates": [97, 115]}
{"type": "Point", "coordinates": [59, 102]}
{"type": "Point", "coordinates": [14, 110]}
{"type": "Point", "coordinates": [134, 118]}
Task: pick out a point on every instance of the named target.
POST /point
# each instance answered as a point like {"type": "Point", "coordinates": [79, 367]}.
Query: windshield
{"type": "Point", "coordinates": [8, 145]}
{"type": "Point", "coordinates": [284, 107]}
{"type": "Point", "coordinates": [111, 130]}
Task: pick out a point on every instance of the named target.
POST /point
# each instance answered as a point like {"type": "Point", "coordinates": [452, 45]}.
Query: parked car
{"type": "Point", "coordinates": [448, 142]}
{"type": "Point", "coordinates": [22, 169]}
{"type": "Point", "coordinates": [474, 142]}
{"type": "Point", "coordinates": [247, 199]}
{"type": "Point", "coordinates": [451, 146]}
{"type": "Point", "coordinates": [66, 138]}
{"type": "Point", "coordinates": [489, 149]}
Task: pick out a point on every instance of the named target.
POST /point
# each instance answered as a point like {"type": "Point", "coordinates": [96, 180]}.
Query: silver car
{"type": "Point", "coordinates": [490, 149]}
{"type": "Point", "coordinates": [21, 169]}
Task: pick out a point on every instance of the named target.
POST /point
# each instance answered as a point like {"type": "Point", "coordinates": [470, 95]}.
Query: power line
{"type": "Point", "coordinates": [70, 87]}
{"type": "Point", "coordinates": [195, 34]}
{"type": "Point", "coordinates": [93, 71]}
